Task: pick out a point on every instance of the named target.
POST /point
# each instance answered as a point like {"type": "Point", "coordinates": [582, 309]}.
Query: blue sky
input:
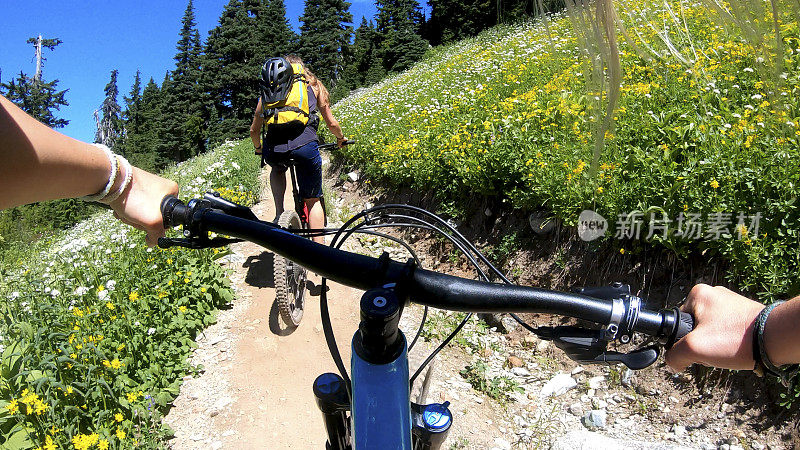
{"type": "Point", "coordinates": [100, 36]}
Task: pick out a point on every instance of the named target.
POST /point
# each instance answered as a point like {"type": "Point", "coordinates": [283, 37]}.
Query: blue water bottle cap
{"type": "Point", "coordinates": [437, 416]}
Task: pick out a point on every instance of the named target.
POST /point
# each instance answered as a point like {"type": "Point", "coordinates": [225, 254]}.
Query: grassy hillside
{"type": "Point", "coordinates": [509, 113]}
{"type": "Point", "coordinates": [97, 327]}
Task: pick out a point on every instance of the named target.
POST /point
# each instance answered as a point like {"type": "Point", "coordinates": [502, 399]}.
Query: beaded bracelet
{"type": "Point", "coordinates": [126, 167]}
{"type": "Point", "coordinates": [112, 177]}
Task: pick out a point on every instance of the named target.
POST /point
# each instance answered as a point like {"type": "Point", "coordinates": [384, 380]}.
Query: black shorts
{"type": "Point", "coordinates": [308, 166]}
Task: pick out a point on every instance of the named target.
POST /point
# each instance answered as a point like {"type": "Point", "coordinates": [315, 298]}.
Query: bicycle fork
{"type": "Point", "coordinates": [380, 415]}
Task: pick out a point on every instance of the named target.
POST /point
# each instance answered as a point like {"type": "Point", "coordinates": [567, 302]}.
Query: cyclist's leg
{"type": "Point", "coordinates": [309, 180]}
{"type": "Point", "coordinates": [277, 180]}
{"type": "Point", "coordinates": [316, 216]}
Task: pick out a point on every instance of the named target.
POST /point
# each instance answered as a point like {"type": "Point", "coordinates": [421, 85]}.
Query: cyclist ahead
{"type": "Point", "coordinates": [291, 96]}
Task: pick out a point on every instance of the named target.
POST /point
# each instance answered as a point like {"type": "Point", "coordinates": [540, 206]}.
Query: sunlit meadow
{"type": "Point", "coordinates": [698, 129]}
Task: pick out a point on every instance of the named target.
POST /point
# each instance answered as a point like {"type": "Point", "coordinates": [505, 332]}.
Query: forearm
{"type": "Point", "coordinates": [336, 129]}
{"type": "Point", "coordinates": [255, 136]}
{"type": "Point", "coordinates": [782, 333]}
{"type": "Point", "coordinates": [40, 164]}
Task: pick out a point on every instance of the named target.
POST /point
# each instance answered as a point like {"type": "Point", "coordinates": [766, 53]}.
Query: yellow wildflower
{"type": "Point", "coordinates": [109, 305]}
{"type": "Point", "coordinates": [115, 364]}
{"type": "Point", "coordinates": [622, 251]}
{"type": "Point", "coordinates": [182, 309]}
{"type": "Point", "coordinates": [49, 444]}
{"type": "Point", "coordinates": [103, 444]}
{"type": "Point", "coordinates": [133, 296]}
{"type": "Point", "coordinates": [120, 434]}
{"type": "Point", "coordinates": [13, 406]}
{"type": "Point", "coordinates": [714, 184]}
{"type": "Point", "coordinates": [118, 417]}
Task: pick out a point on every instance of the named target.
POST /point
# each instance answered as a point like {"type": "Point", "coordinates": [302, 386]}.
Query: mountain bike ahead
{"type": "Point", "coordinates": [290, 277]}
{"type": "Point", "coordinates": [372, 409]}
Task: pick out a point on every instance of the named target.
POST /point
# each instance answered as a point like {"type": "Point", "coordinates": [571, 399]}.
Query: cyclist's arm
{"type": "Point", "coordinates": [723, 331]}
{"type": "Point", "coordinates": [332, 123]}
{"type": "Point", "coordinates": [39, 163]}
{"type": "Point", "coordinates": [324, 106]}
{"type": "Point", "coordinates": [255, 128]}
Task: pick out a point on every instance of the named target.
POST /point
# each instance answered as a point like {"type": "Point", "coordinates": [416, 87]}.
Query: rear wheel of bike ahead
{"type": "Point", "coordinates": [290, 278]}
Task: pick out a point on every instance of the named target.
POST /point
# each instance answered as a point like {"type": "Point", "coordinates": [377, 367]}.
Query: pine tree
{"type": "Point", "coordinates": [35, 96]}
{"type": "Point", "coordinates": [169, 129]}
{"type": "Point", "coordinates": [109, 122]}
{"type": "Point", "coordinates": [141, 144]}
{"type": "Point", "coordinates": [325, 37]}
{"type": "Point", "coordinates": [187, 121]}
{"type": "Point", "coordinates": [453, 20]}
{"type": "Point", "coordinates": [248, 32]}
{"type": "Point", "coordinates": [273, 32]}
{"type": "Point", "coordinates": [364, 67]}
{"type": "Point", "coordinates": [399, 23]}
{"type": "Point", "coordinates": [230, 73]}
{"type": "Point", "coordinates": [133, 104]}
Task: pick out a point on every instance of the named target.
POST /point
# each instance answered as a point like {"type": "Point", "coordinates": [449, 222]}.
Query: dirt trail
{"type": "Point", "coordinates": [256, 392]}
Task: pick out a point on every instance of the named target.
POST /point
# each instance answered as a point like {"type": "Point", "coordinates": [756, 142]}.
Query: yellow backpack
{"type": "Point", "coordinates": [292, 112]}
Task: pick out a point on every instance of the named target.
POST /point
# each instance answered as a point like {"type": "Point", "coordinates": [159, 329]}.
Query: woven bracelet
{"type": "Point", "coordinates": [112, 177]}
{"type": "Point", "coordinates": [126, 167]}
{"type": "Point", "coordinates": [760, 350]}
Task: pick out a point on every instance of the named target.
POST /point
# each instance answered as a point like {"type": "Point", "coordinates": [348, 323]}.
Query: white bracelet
{"type": "Point", "coordinates": [111, 177]}
{"type": "Point", "coordinates": [125, 167]}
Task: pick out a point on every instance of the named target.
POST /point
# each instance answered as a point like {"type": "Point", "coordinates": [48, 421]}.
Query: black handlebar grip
{"type": "Point", "coordinates": [685, 325]}
{"type": "Point", "coordinates": [349, 142]}
{"type": "Point", "coordinates": [173, 211]}
{"type": "Point", "coordinates": [679, 324]}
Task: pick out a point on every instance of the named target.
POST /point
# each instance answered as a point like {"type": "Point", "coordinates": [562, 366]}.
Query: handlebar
{"type": "Point", "coordinates": [333, 145]}
{"type": "Point", "coordinates": [621, 313]}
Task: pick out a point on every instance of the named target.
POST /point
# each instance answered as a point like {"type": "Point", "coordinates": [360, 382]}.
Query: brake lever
{"type": "Point", "coordinates": [194, 243]}
{"type": "Point", "coordinates": [590, 347]}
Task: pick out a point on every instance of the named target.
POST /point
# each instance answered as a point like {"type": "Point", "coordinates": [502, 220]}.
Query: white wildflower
{"type": "Point", "coordinates": [150, 331]}
{"type": "Point", "coordinates": [111, 284]}
{"type": "Point", "coordinates": [102, 294]}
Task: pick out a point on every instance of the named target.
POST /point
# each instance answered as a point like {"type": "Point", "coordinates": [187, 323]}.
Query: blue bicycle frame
{"type": "Point", "coordinates": [381, 410]}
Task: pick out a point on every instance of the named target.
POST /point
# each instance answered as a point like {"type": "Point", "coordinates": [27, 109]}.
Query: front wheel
{"type": "Point", "coordinates": [290, 278]}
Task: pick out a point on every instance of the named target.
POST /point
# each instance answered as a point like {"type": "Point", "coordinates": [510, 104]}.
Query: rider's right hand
{"type": "Point", "coordinates": [723, 330]}
{"type": "Point", "coordinates": [140, 204]}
